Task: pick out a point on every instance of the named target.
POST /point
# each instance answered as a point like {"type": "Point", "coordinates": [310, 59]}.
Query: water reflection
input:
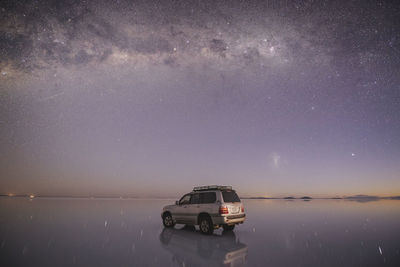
{"type": "Point", "coordinates": [114, 232]}
{"type": "Point", "coordinates": [190, 248]}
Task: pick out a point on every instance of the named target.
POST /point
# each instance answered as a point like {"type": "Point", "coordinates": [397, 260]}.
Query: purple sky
{"type": "Point", "coordinates": [148, 98]}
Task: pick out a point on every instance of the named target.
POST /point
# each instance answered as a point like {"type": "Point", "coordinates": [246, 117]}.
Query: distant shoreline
{"type": "Point", "coordinates": [361, 197]}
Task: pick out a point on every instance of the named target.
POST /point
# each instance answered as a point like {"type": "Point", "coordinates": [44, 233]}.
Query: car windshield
{"type": "Point", "coordinates": [230, 196]}
{"type": "Point", "coordinates": [185, 200]}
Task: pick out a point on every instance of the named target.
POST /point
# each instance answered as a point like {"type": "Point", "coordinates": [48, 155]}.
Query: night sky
{"type": "Point", "coordinates": [150, 98]}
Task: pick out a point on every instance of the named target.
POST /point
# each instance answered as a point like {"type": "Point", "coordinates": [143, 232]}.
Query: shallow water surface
{"type": "Point", "coordinates": [129, 232]}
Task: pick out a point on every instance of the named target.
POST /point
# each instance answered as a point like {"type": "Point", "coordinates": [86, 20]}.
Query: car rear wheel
{"type": "Point", "coordinates": [168, 221]}
{"type": "Point", "coordinates": [228, 227]}
{"type": "Point", "coordinates": [206, 226]}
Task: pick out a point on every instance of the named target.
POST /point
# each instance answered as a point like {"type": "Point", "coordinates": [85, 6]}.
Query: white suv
{"type": "Point", "coordinates": [210, 207]}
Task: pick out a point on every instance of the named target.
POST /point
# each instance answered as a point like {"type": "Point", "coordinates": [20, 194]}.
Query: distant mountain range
{"type": "Point", "coordinates": [288, 198]}
{"type": "Point", "coordinates": [355, 197]}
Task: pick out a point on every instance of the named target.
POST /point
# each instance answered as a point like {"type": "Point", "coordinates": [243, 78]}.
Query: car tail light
{"type": "Point", "coordinates": [223, 210]}
{"type": "Point", "coordinates": [242, 208]}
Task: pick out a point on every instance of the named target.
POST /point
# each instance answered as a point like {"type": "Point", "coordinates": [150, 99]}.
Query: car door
{"type": "Point", "coordinates": [194, 208]}
{"type": "Point", "coordinates": [181, 213]}
{"type": "Point", "coordinates": [207, 203]}
{"type": "Point", "coordinates": [232, 201]}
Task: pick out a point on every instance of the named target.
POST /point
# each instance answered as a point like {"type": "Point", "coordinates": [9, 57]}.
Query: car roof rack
{"type": "Point", "coordinates": [212, 187]}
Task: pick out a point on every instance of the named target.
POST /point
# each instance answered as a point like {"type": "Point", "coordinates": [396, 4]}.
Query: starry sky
{"type": "Point", "coordinates": [151, 98]}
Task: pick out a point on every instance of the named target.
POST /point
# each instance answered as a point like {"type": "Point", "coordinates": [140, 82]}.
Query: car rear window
{"type": "Point", "coordinates": [230, 196]}
{"type": "Point", "coordinates": [208, 197]}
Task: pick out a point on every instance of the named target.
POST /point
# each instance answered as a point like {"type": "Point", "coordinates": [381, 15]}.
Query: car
{"type": "Point", "coordinates": [210, 207]}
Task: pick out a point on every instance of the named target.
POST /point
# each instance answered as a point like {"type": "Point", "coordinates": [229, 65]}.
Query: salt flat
{"type": "Point", "coordinates": [129, 232]}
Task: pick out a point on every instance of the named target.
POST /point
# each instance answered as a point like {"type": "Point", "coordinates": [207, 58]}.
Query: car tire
{"type": "Point", "coordinates": [228, 227]}
{"type": "Point", "coordinates": [167, 220]}
{"type": "Point", "coordinates": [206, 226]}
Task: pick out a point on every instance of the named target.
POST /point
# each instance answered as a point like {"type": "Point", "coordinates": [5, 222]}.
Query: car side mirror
{"type": "Point", "coordinates": [177, 202]}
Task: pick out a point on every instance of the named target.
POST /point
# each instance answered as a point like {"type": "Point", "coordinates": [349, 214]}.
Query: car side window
{"type": "Point", "coordinates": [185, 200]}
{"type": "Point", "coordinates": [209, 197]}
{"type": "Point", "coordinates": [195, 199]}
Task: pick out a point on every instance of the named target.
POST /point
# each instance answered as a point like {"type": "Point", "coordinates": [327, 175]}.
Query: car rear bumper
{"type": "Point", "coordinates": [229, 219]}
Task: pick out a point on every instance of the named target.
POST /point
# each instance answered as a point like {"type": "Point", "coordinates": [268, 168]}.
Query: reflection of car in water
{"type": "Point", "coordinates": [191, 249]}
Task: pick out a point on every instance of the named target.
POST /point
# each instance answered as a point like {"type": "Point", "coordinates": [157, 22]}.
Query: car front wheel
{"type": "Point", "coordinates": [168, 221]}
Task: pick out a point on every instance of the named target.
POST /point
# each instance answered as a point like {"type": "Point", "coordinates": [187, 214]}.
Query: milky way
{"type": "Point", "coordinates": [143, 97]}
